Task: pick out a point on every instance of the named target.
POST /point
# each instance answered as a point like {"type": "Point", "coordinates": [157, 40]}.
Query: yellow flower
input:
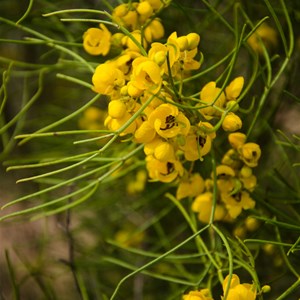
{"type": "Point", "coordinates": [193, 40]}
{"type": "Point", "coordinates": [164, 151]}
{"type": "Point", "coordinates": [202, 294]}
{"type": "Point", "coordinates": [168, 121]}
{"type": "Point", "coordinates": [156, 4]}
{"type": "Point", "coordinates": [190, 187]}
{"type": "Point", "coordinates": [159, 52]}
{"type": "Point", "coordinates": [264, 35]}
{"type": "Point", "coordinates": [116, 109]}
{"type": "Point", "coordinates": [164, 171]}
{"type": "Point", "coordinates": [124, 62]}
{"type": "Point", "coordinates": [238, 291]}
{"type": "Point", "coordinates": [97, 41]}
{"type": "Point", "coordinates": [231, 158]}
{"type": "Point", "coordinates": [145, 133]}
{"type": "Point", "coordinates": [187, 60]}
{"type": "Point", "coordinates": [237, 202]}
{"type": "Point", "coordinates": [125, 14]}
{"type": "Point", "coordinates": [154, 31]}
{"type": "Point", "coordinates": [211, 96]}
{"type": "Point", "coordinates": [247, 178]}
{"type": "Point", "coordinates": [232, 122]}
{"type": "Point", "coordinates": [203, 206]}
{"type": "Point", "coordinates": [145, 10]}
{"type": "Point", "coordinates": [237, 139]}
{"type": "Point", "coordinates": [250, 154]}
{"type": "Point", "coordinates": [234, 88]}
{"type": "Point", "coordinates": [146, 75]}
{"type": "Point", "coordinates": [130, 44]}
{"type": "Point", "coordinates": [108, 79]}
{"type": "Point", "coordinates": [115, 124]}
{"type": "Point", "coordinates": [198, 142]}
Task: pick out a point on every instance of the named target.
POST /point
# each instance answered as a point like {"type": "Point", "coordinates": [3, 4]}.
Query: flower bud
{"type": "Point", "coordinates": [232, 106]}
{"type": "Point", "coordinates": [193, 40]}
{"type": "Point", "coordinates": [182, 42]}
{"type": "Point", "coordinates": [236, 139]}
{"type": "Point", "coordinates": [232, 122]}
{"type": "Point", "coordinates": [116, 109]}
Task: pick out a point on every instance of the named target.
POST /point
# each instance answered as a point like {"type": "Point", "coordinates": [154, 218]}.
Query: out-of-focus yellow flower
{"type": "Point", "coordinates": [129, 238]}
{"type": "Point", "coordinates": [164, 171]}
{"type": "Point", "coordinates": [250, 154]}
{"type": "Point", "coordinates": [202, 294]}
{"type": "Point", "coordinates": [232, 122]}
{"type": "Point", "coordinates": [263, 35]}
{"type": "Point", "coordinates": [190, 187]}
{"type": "Point", "coordinates": [168, 121]}
{"type": "Point", "coordinates": [92, 118]}
{"type": "Point", "coordinates": [234, 88]}
{"type": "Point", "coordinates": [108, 79]}
{"type": "Point", "coordinates": [137, 185]}
{"type": "Point", "coordinates": [252, 224]}
{"type": "Point", "coordinates": [96, 41]}
{"type": "Point", "coordinates": [238, 291]}
{"type": "Point", "coordinates": [203, 206]}
{"type": "Point", "coordinates": [212, 96]}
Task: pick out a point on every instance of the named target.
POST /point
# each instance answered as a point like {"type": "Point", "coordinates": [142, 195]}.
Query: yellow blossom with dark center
{"type": "Point", "coordinates": [250, 154]}
{"type": "Point", "coordinates": [237, 202]}
{"type": "Point", "coordinates": [168, 121]}
{"type": "Point", "coordinates": [237, 290]}
{"type": "Point", "coordinates": [164, 171]}
{"type": "Point", "coordinates": [198, 142]}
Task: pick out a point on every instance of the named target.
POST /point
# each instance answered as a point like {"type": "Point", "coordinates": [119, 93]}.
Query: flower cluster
{"type": "Point", "coordinates": [234, 179]}
{"type": "Point", "coordinates": [145, 87]}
